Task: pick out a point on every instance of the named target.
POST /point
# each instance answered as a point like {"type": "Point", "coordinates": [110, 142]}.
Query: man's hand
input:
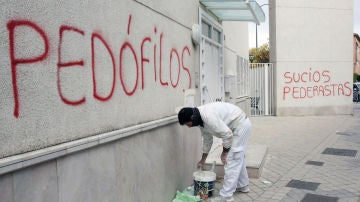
{"type": "Point", "coordinates": [223, 157]}
{"type": "Point", "coordinates": [201, 163]}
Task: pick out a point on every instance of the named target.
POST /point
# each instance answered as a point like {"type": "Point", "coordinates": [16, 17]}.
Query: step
{"type": "Point", "coordinates": [255, 159]}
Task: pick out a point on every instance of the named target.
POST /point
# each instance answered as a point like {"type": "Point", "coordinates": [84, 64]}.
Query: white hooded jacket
{"type": "Point", "coordinates": [220, 119]}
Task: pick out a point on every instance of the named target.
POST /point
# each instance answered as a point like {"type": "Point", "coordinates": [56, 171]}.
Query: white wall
{"type": "Point", "coordinates": [49, 91]}
{"type": "Point", "coordinates": [78, 79]}
{"type": "Point", "coordinates": [236, 43]}
{"type": "Point", "coordinates": [312, 39]}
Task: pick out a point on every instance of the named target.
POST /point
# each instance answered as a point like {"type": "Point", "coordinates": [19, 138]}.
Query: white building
{"type": "Point", "coordinates": [311, 47]}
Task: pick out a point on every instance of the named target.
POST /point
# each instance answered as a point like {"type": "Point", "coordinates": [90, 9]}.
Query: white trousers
{"type": "Point", "coordinates": [235, 169]}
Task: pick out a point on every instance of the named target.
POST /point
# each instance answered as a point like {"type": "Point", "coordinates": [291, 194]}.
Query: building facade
{"type": "Point", "coordinates": [89, 93]}
{"type": "Point", "coordinates": [90, 89]}
{"type": "Point", "coordinates": [312, 52]}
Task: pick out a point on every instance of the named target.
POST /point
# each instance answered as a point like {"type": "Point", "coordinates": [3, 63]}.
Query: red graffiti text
{"type": "Point", "coordinates": [310, 84]}
{"type": "Point", "coordinates": [129, 55]}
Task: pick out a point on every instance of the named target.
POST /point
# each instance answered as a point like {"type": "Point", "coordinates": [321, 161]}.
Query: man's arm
{"type": "Point", "coordinates": [207, 141]}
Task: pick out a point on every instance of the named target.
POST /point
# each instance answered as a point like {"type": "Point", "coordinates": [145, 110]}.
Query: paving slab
{"type": "Point", "coordinates": [295, 151]}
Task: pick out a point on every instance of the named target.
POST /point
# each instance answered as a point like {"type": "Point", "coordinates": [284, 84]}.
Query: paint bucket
{"type": "Point", "coordinates": [204, 182]}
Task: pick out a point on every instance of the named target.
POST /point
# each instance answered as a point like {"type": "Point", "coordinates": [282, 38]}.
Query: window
{"type": "Point", "coordinates": [217, 36]}
{"type": "Point", "coordinates": [206, 29]}
{"type": "Point", "coordinates": [210, 32]}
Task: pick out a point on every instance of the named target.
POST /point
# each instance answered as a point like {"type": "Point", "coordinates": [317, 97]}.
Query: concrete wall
{"type": "Point", "coordinates": [78, 79]}
{"type": "Point", "coordinates": [149, 166]}
{"type": "Point", "coordinates": [311, 46]}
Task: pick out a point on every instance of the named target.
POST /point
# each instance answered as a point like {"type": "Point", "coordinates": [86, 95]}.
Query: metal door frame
{"type": "Point", "coordinates": [205, 93]}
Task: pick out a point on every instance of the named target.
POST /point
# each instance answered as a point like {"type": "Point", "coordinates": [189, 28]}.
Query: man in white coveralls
{"type": "Point", "coordinates": [230, 123]}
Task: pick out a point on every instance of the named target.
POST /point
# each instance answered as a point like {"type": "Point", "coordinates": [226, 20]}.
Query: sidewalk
{"type": "Point", "coordinates": [311, 158]}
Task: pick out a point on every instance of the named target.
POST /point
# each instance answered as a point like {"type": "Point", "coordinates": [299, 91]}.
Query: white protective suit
{"type": "Point", "coordinates": [230, 123]}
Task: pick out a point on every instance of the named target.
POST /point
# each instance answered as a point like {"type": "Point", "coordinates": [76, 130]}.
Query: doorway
{"type": "Point", "coordinates": [211, 59]}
